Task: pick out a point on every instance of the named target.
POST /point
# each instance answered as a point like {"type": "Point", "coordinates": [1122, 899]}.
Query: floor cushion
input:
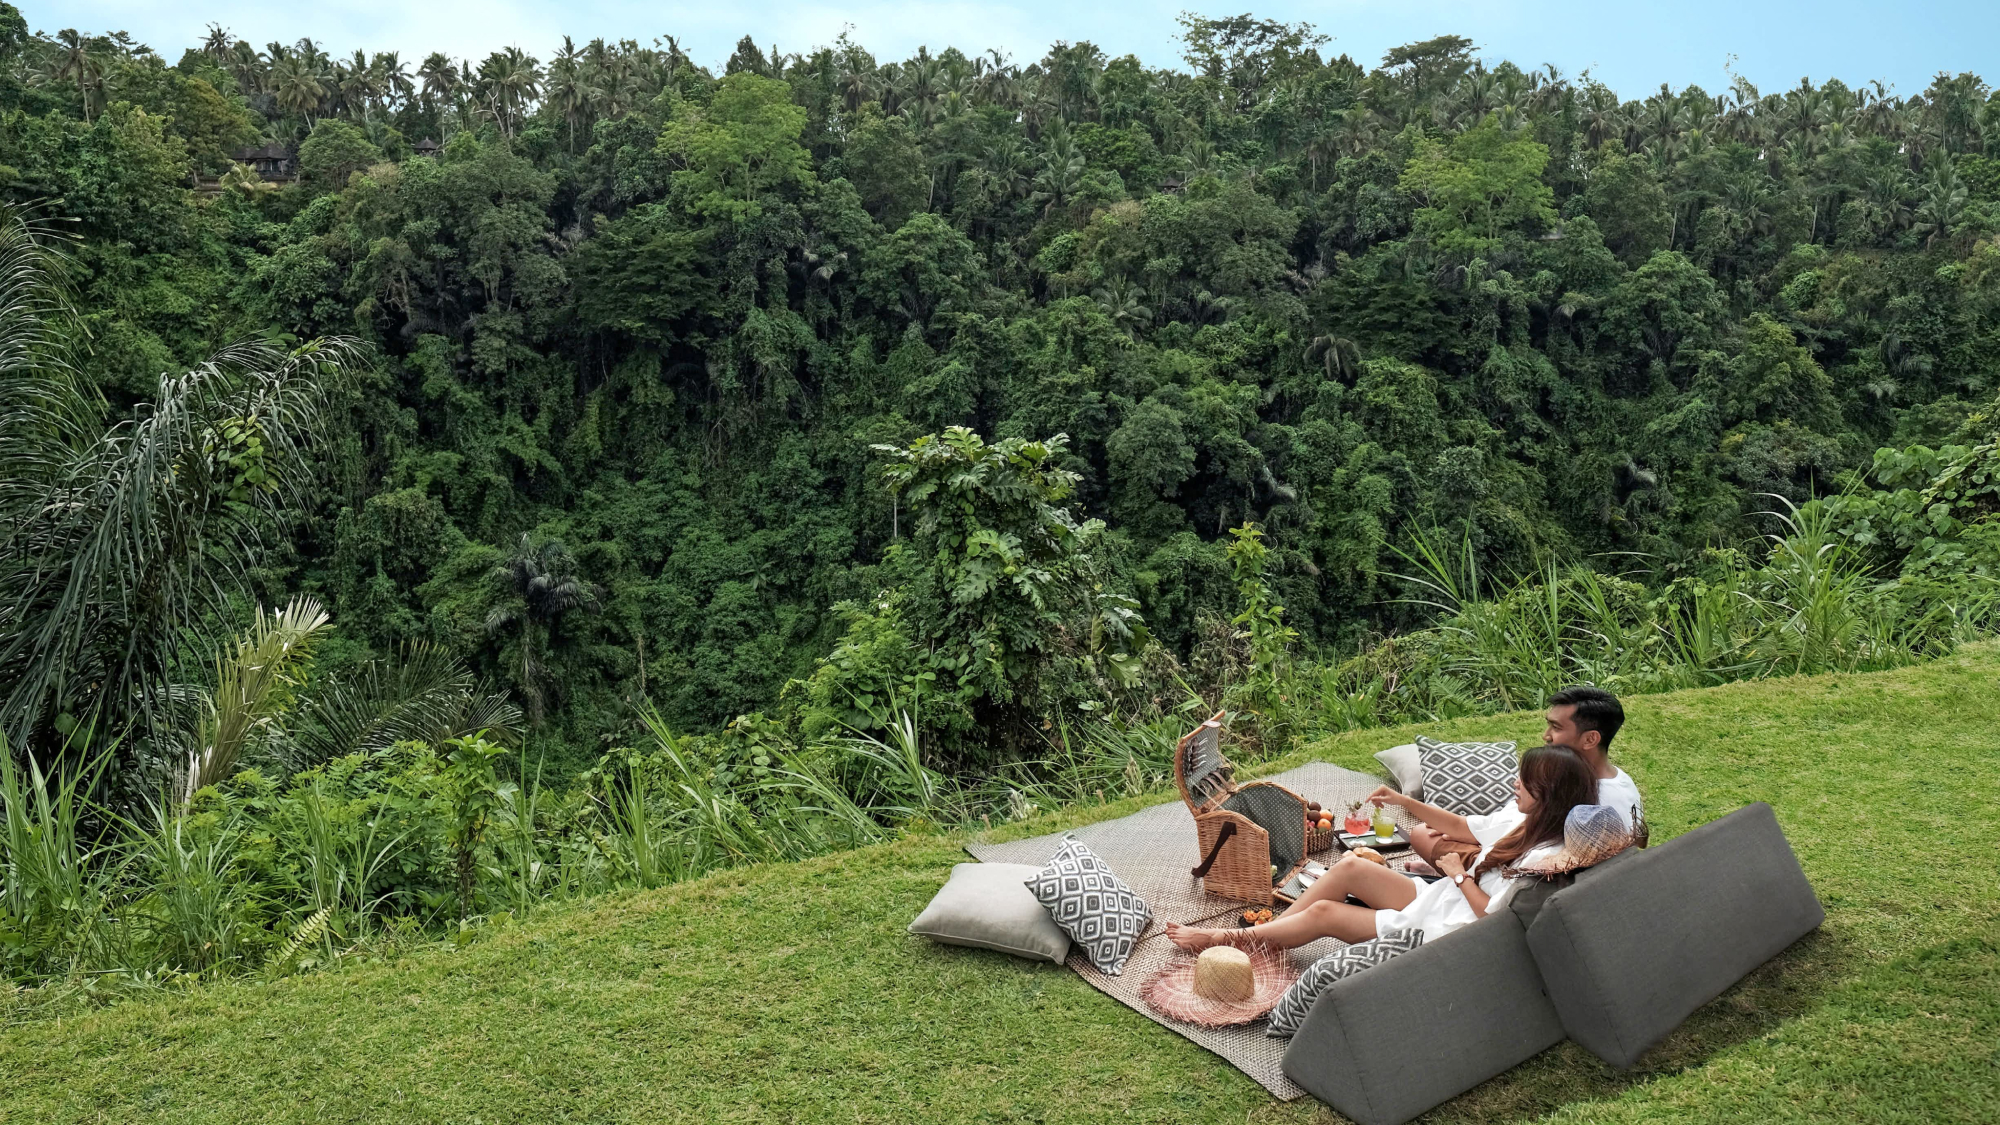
{"type": "Point", "coordinates": [1639, 943]}
{"type": "Point", "coordinates": [988, 906]}
{"type": "Point", "coordinates": [1467, 778]}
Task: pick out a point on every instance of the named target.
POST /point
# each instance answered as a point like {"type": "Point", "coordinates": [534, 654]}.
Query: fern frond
{"type": "Point", "coordinates": [307, 932]}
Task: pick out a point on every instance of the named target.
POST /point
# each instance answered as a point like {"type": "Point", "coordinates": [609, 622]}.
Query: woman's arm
{"type": "Point", "coordinates": [1453, 865]}
{"type": "Point", "coordinates": [1446, 823]}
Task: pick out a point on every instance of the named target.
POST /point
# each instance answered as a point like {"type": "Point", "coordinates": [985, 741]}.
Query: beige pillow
{"type": "Point", "coordinates": [1406, 771]}
{"type": "Point", "coordinates": [989, 906]}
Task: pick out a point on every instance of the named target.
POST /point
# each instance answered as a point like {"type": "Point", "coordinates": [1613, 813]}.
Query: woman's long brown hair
{"type": "Point", "coordinates": [1559, 781]}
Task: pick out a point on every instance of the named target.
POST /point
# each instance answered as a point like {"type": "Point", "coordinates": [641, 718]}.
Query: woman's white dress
{"type": "Point", "coordinates": [1440, 907]}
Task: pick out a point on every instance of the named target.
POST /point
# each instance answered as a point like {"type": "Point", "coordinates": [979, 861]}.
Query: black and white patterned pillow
{"type": "Point", "coordinates": [1468, 778]}
{"type": "Point", "coordinates": [1095, 908]}
{"type": "Point", "coordinates": [1298, 1000]}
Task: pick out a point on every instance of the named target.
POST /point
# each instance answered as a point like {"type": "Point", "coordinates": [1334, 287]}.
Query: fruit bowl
{"type": "Point", "coordinates": [1319, 839]}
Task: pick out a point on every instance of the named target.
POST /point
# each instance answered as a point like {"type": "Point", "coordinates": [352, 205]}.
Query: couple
{"type": "Point", "coordinates": [1476, 854]}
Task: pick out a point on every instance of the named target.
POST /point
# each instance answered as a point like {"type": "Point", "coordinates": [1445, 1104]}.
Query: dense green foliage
{"type": "Point", "coordinates": [660, 315]}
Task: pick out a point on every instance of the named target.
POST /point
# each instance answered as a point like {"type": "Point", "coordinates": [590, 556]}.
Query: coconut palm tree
{"type": "Point", "coordinates": [570, 90]}
{"type": "Point", "coordinates": [217, 45]}
{"type": "Point", "coordinates": [78, 58]}
{"type": "Point", "coordinates": [297, 86]}
{"type": "Point", "coordinates": [538, 584]}
{"type": "Point", "coordinates": [393, 78]}
{"type": "Point", "coordinates": [508, 83]}
{"type": "Point", "coordinates": [438, 80]}
{"type": "Point", "coordinates": [1943, 204]}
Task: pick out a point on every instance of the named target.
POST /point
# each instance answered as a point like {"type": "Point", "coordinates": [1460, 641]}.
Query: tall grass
{"type": "Point", "coordinates": [201, 917]}
{"type": "Point", "coordinates": [351, 855]}
{"type": "Point", "coordinates": [1814, 605]}
{"type": "Point", "coordinates": [344, 860]}
{"type": "Point", "coordinates": [60, 883]}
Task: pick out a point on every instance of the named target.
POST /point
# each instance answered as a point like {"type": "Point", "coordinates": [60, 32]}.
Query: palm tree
{"type": "Point", "coordinates": [1120, 300]}
{"type": "Point", "coordinates": [125, 543]}
{"type": "Point", "coordinates": [357, 86]}
{"type": "Point", "coordinates": [392, 78]}
{"type": "Point", "coordinates": [79, 59]}
{"type": "Point", "coordinates": [297, 87]}
{"type": "Point", "coordinates": [509, 81]}
{"type": "Point", "coordinates": [1943, 204]}
{"type": "Point", "coordinates": [255, 680]}
{"type": "Point", "coordinates": [439, 79]}
{"type": "Point", "coordinates": [250, 69]}
{"type": "Point", "coordinates": [1340, 355]}
{"type": "Point", "coordinates": [218, 44]}
{"type": "Point", "coordinates": [539, 584]}
{"type": "Point", "coordinates": [570, 90]}
{"type": "Point", "coordinates": [1059, 180]}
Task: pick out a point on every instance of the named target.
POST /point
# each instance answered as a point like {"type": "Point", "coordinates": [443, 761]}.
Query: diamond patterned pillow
{"type": "Point", "coordinates": [1102, 915]}
{"type": "Point", "coordinates": [1468, 778]}
{"type": "Point", "coordinates": [1298, 1000]}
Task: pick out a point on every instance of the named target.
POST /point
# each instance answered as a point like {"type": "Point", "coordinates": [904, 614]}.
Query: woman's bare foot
{"type": "Point", "coordinates": [1194, 939]}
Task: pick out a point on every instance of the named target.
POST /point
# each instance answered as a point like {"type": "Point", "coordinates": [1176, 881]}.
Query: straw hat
{"type": "Point", "coordinates": [1199, 989]}
{"type": "Point", "coordinates": [1591, 835]}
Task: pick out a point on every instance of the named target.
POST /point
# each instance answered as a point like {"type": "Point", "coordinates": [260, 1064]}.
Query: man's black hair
{"type": "Point", "coordinates": [1596, 709]}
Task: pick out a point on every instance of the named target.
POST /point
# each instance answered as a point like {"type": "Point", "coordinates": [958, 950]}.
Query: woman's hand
{"type": "Point", "coordinates": [1383, 795]}
{"type": "Point", "coordinates": [1453, 865]}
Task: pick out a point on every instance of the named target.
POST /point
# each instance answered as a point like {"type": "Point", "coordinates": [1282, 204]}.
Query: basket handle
{"type": "Point", "coordinates": [1215, 849]}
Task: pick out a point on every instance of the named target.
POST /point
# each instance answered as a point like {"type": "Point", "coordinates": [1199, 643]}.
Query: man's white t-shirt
{"type": "Point", "coordinates": [1621, 793]}
{"type": "Point", "coordinates": [1618, 791]}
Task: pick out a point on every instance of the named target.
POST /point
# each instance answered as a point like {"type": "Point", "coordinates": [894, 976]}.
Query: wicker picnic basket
{"type": "Point", "coordinates": [1242, 830]}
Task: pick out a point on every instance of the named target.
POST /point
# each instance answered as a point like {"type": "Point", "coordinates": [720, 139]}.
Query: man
{"type": "Point", "coordinates": [1580, 719]}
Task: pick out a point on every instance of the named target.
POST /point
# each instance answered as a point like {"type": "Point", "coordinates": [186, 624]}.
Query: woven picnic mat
{"type": "Point", "coordinates": [1153, 850]}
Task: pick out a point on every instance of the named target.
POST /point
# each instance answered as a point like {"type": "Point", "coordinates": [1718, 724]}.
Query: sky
{"type": "Point", "coordinates": [1632, 45]}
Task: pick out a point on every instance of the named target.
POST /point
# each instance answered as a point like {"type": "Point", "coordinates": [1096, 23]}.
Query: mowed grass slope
{"type": "Point", "coordinates": [791, 993]}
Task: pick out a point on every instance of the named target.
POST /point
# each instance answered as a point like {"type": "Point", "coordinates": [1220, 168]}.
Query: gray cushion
{"type": "Point", "coordinates": [1385, 1045]}
{"type": "Point", "coordinates": [1468, 778]}
{"type": "Point", "coordinates": [1346, 961]}
{"type": "Point", "coordinates": [1629, 951]}
{"type": "Point", "coordinates": [1406, 770]}
{"type": "Point", "coordinates": [988, 906]}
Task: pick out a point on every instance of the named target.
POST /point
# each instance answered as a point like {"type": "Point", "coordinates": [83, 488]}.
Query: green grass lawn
{"type": "Point", "coordinates": [791, 993]}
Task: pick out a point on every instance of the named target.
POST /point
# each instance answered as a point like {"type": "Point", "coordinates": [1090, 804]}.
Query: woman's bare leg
{"type": "Point", "coordinates": [1368, 881]}
{"type": "Point", "coordinates": [1301, 925]}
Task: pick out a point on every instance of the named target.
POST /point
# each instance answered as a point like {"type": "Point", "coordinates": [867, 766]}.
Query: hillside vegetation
{"type": "Point", "coordinates": [789, 992]}
{"type": "Point", "coordinates": [653, 315]}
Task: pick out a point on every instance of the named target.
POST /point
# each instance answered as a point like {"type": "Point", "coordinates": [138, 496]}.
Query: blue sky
{"type": "Point", "coordinates": [1633, 46]}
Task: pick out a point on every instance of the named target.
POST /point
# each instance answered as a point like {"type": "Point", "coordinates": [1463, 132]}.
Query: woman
{"type": "Point", "coordinates": [1552, 780]}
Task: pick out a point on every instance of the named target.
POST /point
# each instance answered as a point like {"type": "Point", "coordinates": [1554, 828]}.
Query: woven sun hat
{"type": "Point", "coordinates": [1591, 835]}
{"type": "Point", "coordinates": [1193, 992]}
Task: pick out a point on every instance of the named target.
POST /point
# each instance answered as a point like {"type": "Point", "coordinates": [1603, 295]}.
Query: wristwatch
{"type": "Point", "coordinates": [1458, 878]}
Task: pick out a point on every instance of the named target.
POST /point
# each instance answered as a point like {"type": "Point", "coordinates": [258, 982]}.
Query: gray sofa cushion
{"type": "Point", "coordinates": [1628, 952]}
{"type": "Point", "coordinates": [1385, 1045]}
